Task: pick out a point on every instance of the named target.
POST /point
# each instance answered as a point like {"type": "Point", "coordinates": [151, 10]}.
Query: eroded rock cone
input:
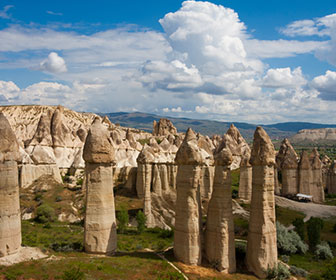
{"type": "Point", "coordinates": [187, 234]}
{"type": "Point", "coordinates": [10, 218]}
{"type": "Point", "coordinates": [287, 162]}
{"type": "Point", "coordinates": [245, 179]}
{"type": "Point", "coordinates": [317, 181]}
{"type": "Point", "coordinates": [219, 236]}
{"type": "Point", "coordinates": [332, 178]}
{"type": "Point", "coordinates": [100, 235]}
{"type": "Point", "coordinates": [163, 128]}
{"type": "Point", "coordinates": [42, 135]}
{"type": "Point", "coordinates": [305, 174]}
{"type": "Point", "coordinates": [261, 252]}
{"type": "Point", "coordinates": [145, 161]}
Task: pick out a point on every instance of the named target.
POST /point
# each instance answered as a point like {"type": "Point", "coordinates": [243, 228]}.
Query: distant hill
{"type": "Point", "coordinates": [144, 121]}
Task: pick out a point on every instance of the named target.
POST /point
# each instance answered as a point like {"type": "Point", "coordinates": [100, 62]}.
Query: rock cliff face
{"type": "Point", "coordinates": [10, 217]}
{"type": "Point", "coordinates": [313, 135]}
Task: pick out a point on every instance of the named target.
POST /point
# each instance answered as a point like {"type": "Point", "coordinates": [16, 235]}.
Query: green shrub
{"type": "Point", "coordinates": [330, 272]}
{"type": "Point", "coordinates": [279, 272]}
{"type": "Point", "coordinates": [289, 242]}
{"type": "Point", "coordinates": [298, 223]}
{"type": "Point", "coordinates": [314, 227]}
{"type": "Point", "coordinates": [73, 273]}
{"type": "Point", "coordinates": [38, 197]}
{"type": "Point", "coordinates": [58, 198]}
{"type": "Point", "coordinates": [141, 219]}
{"type": "Point", "coordinates": [323, 251]}
{"type": "Point", "coordinates": [285, 258]}
{"type": "Point", "coordinates": [123, 219]}
{"type": "Point", "coordinates": [297, 271]}
{"type": "Point", "coordinates": [45, 213]}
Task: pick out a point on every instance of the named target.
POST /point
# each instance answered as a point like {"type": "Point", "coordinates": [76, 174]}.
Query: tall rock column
{"type": "Point", "coordinates": [10, 218]}
{"type": "Point", "coordinates": [262, 240]}
{"type": "Point", "coordinates": [305, 174]}
{"type": "Point", "coordinates": [187, 234]}
{"type": "Point", "coordinates": [245, 179]}
{"type": "Point", "coordinates": [288, 164]}
{"type": "Point", "coordinates": [145, 162]}
{"type": "Point", "coordinates": [219, 236]}
{"type": "Point", "coordinates": [100, 234]}
{"type": "Point", "coordinates": [331, 186]}
{"type": "Point", "coordinates": [317, 181]}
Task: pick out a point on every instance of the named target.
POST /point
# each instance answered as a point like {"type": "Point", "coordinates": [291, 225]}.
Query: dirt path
{"type": "Point", "coordinates": [309, 209]}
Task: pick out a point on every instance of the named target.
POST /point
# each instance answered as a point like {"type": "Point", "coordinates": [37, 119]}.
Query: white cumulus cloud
{"type": "Point", "coordinates": [326, 85]}
{"type": "Point", "coordinates": [284, 77]}
{"type": "Point", "coordinates": [53, 64]}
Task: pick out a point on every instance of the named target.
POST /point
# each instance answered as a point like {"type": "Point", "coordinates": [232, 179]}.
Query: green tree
{"type": "Point", "coordinates": [141, 219]}
{"type": "Point", "coordinates": [123, 219]}
{"type": "Point", "coordinates": [298, 223]}
{"type": "Point", "coordinates": [314, 227]}
{"type": "Point", "coordinates": [45, 213]}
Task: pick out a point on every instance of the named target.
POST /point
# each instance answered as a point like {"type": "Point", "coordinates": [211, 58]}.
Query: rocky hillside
{"type": "Point", "coordinates": [313, 136]}
{"type": "Point", "coordinates": [278, 131]}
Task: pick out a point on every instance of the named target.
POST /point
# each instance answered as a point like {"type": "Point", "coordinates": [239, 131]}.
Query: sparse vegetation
{"type": "Point", "coordinates": [123, 219]}
{"type": "Point", "coordinates": [323, 251]}
{"type": "Point", "coordinates": [45, 213]}
{"type": "Point", "coordinates": [280, 272]}
{"type": "Point", "coordinates": [289, 242]}
{"type": "Point", "coordinates": [314, 227]}
{"type": "Point", "coordinates": [141, 220]}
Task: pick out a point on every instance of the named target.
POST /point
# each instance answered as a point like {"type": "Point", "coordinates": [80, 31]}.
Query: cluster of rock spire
{"type": "Point", "coordinates": [181, 178]}
{"type": "Point", "coordinates": [300, 174]}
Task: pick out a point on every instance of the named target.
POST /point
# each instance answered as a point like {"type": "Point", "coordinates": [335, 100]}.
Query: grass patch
{"type": "Point", "coordinates": [53, 236]}
{"type": "Point", "coordinates": [286, 216]}
{"type": "Point", "coordinates": [155, 239]}
{"type": "Point", "coordinates": [126, 266]}
{"type": "Point", "coordinates": [308, 262]}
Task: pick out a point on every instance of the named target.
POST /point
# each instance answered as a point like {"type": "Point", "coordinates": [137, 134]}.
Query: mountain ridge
{"type": "Point", "coordinates": [144, 121]}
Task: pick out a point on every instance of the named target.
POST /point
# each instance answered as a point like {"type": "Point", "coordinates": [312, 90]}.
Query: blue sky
{"type": "Point", "coordinates": [252, 61]}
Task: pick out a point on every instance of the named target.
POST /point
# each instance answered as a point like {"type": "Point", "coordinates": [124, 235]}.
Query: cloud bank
{"type": "Point", "coordinates": [204, 64]}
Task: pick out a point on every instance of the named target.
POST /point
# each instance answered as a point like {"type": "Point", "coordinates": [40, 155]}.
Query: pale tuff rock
{"type": "Point", "coordinates": [187, 234]}
{"type": "Point", "coordinates": [9, 147]}
{"type": "Point", "coordinates": [42, 135]}
{"type": "Point", "coordinates": [288, 164]}
{"type": "Point", "coordinates": [144, 175]}
{"type": "Point", "coordinates": [144, 178]}
{"type": "Point", "coordinates": [10, 218]}
{"type": "Point", "coordinates": [60, 132]}
{"type": "Point", "coordinates": [317, 181]}
{"type": "Point", "coordinates": [262, 241]}
{"type": "Point", "coordinates": [157, 188]}
{"type": "Point", "coordinates": [326, 162]}
{"type": "Point", "coordinates": [315, 135]}
{"type": "Point", "coordinates": [245, 179]}
{"type": "Point", "coordinates": [163, 128]}
{"type": "Point", "coordinates": [331, 180]}
{"type": "Point", "coordinates": [219, 236]}
{"type": "Point", "coordinates": [100, 235]}
{"type": "Point", "coordinates": [189, 153]}
{"type": "Point", "coordinates": [98, 146]}
{"type": "Point", "coordinates": [235, 142]}
{"type": "Point", "coordinates": [206, 182]}
{"type": "Point", "coordinates": [305, 174]}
